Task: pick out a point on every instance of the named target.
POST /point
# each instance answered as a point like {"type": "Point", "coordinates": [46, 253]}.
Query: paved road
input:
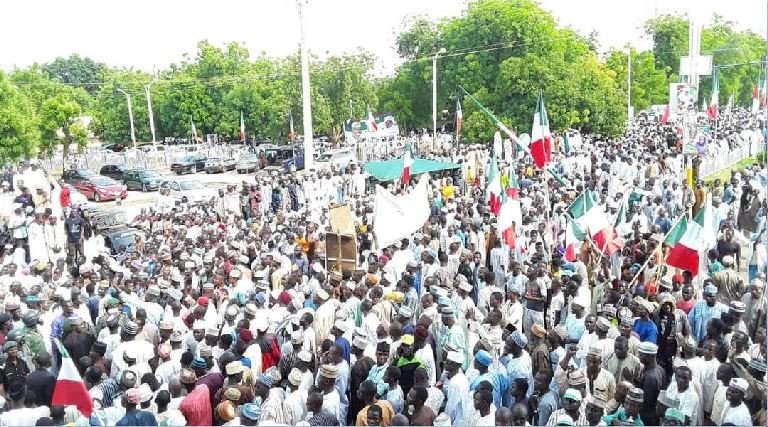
{"type": "Point", "coordinates": [137, 199]}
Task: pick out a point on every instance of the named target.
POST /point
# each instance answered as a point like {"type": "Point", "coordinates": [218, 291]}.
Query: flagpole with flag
{"type": "Point", "coordinates": [496, 121]}
{"type": "Point", "coordinates": [69, 388]}
{"type": "Point", "coordinates": [541, 137]}
{"type": "Point", "coordinates": [756, 97]}
{"type": "Point", "coordinates": [459, 118]}
{"type": "Point", "coordinates": [681, 220]}
{"type": "Point", "coordinates": [712, 112]}
{"type": "Point", "coordinates": [405, 178]}
{"type": "Point", "coordinates": [194, 130]}
{"type": "Point", "coordinates": [242, 127]}
{"type": "Point", "coordinates": [371, 120]}
{"type": "Point", "coordinates": [292, 134]}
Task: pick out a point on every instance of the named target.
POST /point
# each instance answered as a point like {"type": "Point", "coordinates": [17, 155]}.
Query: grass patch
{"type": "Point", "coordinates": [725, 174]}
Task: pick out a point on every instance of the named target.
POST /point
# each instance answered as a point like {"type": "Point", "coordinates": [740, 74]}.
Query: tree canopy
{"type": "Point", "coordinates": [503, 52]}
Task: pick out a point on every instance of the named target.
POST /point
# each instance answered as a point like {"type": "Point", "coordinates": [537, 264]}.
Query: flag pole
{"type": "Point", "coordinates": [661, 244]}
{"type": "Point", "coordinates": [624, 203]}
{"type": "Point", "coordinates": [496, 121]}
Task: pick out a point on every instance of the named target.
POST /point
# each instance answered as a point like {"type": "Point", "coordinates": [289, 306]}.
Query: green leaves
{"type": "Point", "coordinates": [19, 130]}
{"type": "Point", "coordinates": [738, 51]}
{"type": "Point", "coordinates": [504, 52]}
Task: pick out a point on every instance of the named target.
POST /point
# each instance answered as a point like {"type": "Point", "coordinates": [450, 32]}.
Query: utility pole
{"type": "Point", "coordinates": [130, 114]}
{"type": "Point", "coordinates": [629, 83]}
{"type": "Point", "coordinates": [148, 91]}
{"type": "Point", "coordinates": [305, 90]}
{"type": "Point", "coordinates": [434, 97]}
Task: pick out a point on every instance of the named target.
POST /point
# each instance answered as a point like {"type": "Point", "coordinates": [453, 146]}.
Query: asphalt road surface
{"type": "Point", "coordinates": [137, 200]}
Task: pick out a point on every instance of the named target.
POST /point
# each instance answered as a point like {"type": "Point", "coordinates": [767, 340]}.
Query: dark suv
{"type": "Point", "coordinates": [114, 171]}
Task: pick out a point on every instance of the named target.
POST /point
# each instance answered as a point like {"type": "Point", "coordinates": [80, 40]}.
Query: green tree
{"type": "Point", "coordinates": [670, 41]}
{"type": "Point", "coordinates": [505, 52]}
{"type": "Point", "coordinates": [19, 129]}
{"type": "Point", "coordinates": [345, 83]}
{"type": "Point", "coordinates": [111, 107]}
{"type": "Point", "coordinates": [77, 71]}
{"type": "Point", "coordinates": [650, 85]}
{"type": "Point", "coordinates": [719, 39]}
{"type": "Point", "coordinates": [60, 124]}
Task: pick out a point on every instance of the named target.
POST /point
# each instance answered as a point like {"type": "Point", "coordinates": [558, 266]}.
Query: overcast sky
{"type": "Point", "coordinates": [155, 33]}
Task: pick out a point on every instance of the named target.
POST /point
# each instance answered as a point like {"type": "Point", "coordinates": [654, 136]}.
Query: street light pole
{"type": "Point", "coordinates": [130, 114]}
{"type": "Point", "coordinates": [148, 91]}
{"type": "Point", "coordinates": [629, 83]}
{"type": "Point", "coordinates": [306, 100]}
{"type": "Point", "coordinates": [434, 97]}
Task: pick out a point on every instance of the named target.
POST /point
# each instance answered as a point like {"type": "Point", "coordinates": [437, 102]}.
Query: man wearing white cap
{"type": "Point", "coordinates": [735, 412]}
{"type": "Point", "coordinates": [458, 405]}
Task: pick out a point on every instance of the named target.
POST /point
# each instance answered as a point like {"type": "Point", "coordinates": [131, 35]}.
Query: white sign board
{"type": "Point", "coordinates": [703, 65]}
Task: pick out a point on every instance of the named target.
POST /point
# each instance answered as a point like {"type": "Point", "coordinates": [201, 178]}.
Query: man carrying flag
{"type": "Point", "coordinates": [541, 138]}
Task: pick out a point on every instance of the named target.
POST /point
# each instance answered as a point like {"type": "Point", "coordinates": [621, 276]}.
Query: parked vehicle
{"type": "Point", "coordinates": [73, 176]}
{"type": "Point", "coordinates": [217, 164]}
{"type": "Point", "coordinates": [190, 189]}
{"type": "Point", "coordinates": [122, 239]}
{"type": "Point", "coordinates": [142, 179]}
{"type": "Point", "coordinates": [248, 163]}
{"type": "Point", "coordinates": [189, 164]}
{"type": "Point", "coordinates": [338, 159]}
{"type": "Point", "coordinates": [111, 224]}
{"type": "Point", "coordinates": [284, 158]}
{"type": "Point", "coordinates": [100, 188]}
{"type": "Point", "coordinates": [114, 171]}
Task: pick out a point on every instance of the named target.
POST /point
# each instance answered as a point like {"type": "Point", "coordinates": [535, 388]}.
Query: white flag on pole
{"type": "Point", "coordinates": [398, 217]}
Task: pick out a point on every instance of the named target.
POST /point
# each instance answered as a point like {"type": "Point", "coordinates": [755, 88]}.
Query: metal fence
{"type": "Point", "coordinates": [720, 156]}
{"type": "Point", "coordinates": [94, 159]}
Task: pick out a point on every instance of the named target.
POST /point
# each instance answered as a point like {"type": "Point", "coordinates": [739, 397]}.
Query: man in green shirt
{"type": "Point", "coordinates": [629, 413]}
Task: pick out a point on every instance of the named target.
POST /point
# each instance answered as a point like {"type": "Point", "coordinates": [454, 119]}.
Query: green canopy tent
{"type": "Point", "coordinates": [390, 170]}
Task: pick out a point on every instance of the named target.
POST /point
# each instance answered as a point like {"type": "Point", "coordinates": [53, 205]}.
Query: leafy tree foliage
{"type": "Point", "coordinates": [719, 39]}
{"type": "Point", "coordinates": [19, 129]}
{"type": "Point", "coordinates": [504, 52]}
{"type": "Point", "coordinates": [82, 72]}
{"type": "Point", "coordinates": [649, 84]}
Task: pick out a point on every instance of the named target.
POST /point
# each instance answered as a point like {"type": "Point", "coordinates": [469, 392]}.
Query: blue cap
{"type": "Point", "coordinates": [484, 358]}
{"type": "Point", "coordinates": [260, 297]}
{"type": "Point", "coordinates": [710, 289]}
{"type": "Point", "coordinates": [252, 411]}
{"type": "Point", "coordinates": [520, 339]}
{"type": "Point", "coordinates": [199, 363]}
{"type": "Point", "coordinates": [266, 380]}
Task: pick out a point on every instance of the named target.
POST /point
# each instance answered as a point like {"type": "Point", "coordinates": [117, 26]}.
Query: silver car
{"type": "Point", "coordinates": [248, 163]}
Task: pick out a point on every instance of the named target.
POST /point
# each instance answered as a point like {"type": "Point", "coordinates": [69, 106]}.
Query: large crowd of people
{"type": "Point", "coordinates": [227, 312]}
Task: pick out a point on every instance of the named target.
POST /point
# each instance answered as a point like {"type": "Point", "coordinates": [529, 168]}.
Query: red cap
{"type": "Point", "coordinates": [203, 301]}
{"type": "Point", "coordinates": [246, 335]}
{"type": "Point", "coordinates": [284, 298]}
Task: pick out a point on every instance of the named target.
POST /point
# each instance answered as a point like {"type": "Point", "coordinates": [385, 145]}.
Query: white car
{"type": "Point", "coordinates": [193, 190]}
{"type": "Point", "coordinates": [337, 159]}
